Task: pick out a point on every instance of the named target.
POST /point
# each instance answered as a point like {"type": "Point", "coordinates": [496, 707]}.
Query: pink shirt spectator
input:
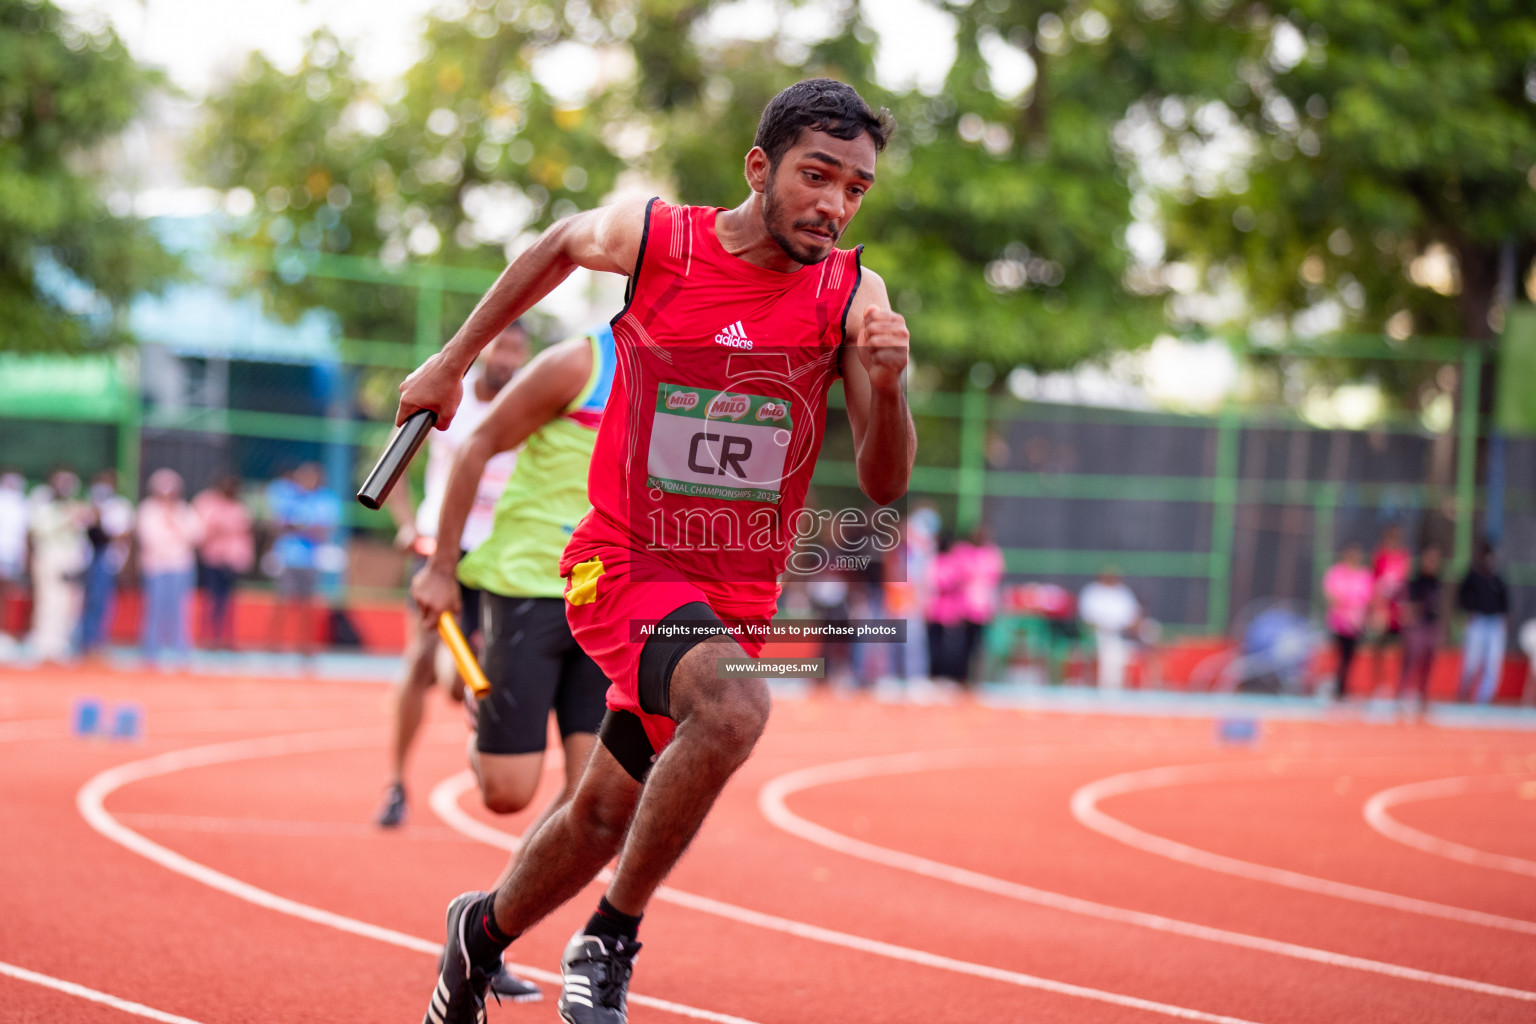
{"type": "Point", "coordinates": [981, 576]}
{"type": "Point", "coordinates": [168, 532]}
{"type": "Point", "coordinates": [227, 540]}
{"type": "Point", "coordinates": [1348, 589]}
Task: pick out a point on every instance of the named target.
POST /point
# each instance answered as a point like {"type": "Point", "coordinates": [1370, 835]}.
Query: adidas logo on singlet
{"type": "Point", "coordinates": [734, 336]}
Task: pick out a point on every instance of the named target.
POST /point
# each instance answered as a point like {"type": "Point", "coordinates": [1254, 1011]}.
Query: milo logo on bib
{"type": "Point", "coordinates": [718, 444]}
{"type": "Point", "coordinates": [683, 400]}
{"type": "Point", "coordinates": [725, 406]}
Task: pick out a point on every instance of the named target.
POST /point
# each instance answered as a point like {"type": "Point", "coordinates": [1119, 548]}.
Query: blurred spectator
{"type": "Point", "coordinates": [1108, 607]}
{"type": "Point", "coordinates": [228, 551]}
{"type": "Point", "coordinates": [1421, 626]}
{"type": "Point", "coordinates": [906, 591]}
{"type": "Point", "coordinates": [305, 513]}
{"type": "Point", "coordinates": [1347, 587]}
{"type": "Point", "coordinates": [1485, 599]}
{"type": "Point", "coordinates": [945, 612]}
{"type": "Point", "coordinates": [1389, 571]}
{"type": "Point", "coordinates": [169, 532]}
{"type": "Point", "coordinates": [922, 536]}
{"type": "Point", "coordinates": [110, 532]}
{"type": "Point", "coordinates": [866, 595]}
{"type": "Point", "coordinates": [981, 587]}
{"type": "Point", "coordinates": [828, 594]}
{"type": "Point", "coordinates": [13, 540]}
{"type": "Point", "coordinates": [59, 555]}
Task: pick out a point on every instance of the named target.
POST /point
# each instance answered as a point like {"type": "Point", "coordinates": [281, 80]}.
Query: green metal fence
{"type": "Point", "coordinates": [966, 482]}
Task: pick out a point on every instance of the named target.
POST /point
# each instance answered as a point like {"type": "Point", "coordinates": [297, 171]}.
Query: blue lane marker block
{"type": "Point", "coordinates": [128, 722]}
{"type": "Point", "coordinates": [85, 717]}
{"type": "Point", "coordinates": [1241, 731]}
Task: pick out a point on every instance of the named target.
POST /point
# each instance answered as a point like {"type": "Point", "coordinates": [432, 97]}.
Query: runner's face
{"type": "Point", "coordinates": [506, 356]}
{"type": "Point", "coordinates": [815, 190]}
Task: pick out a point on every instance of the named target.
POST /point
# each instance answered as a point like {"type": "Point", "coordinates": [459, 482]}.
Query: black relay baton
{"type": "Point", "coordinates": [397, 455]}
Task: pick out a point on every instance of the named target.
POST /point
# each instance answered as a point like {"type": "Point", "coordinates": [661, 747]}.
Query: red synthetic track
{"type": "Point", "coordinates": [840, 902]}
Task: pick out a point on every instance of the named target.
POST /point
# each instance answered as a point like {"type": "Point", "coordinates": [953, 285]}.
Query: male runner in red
{"type": "Point", "coordinates": [737, 323]}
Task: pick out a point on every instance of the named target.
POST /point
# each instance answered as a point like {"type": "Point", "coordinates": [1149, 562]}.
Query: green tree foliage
{"type": "Point", "coordinates": [301, 156]}
{"type": "Point", "coordinates": [995, 221]}
{"type": "Point", "coordinates": [451, 166]}
{"type": "Point", "coordinates": [63, 92]}
{"type": "Point", "coordinates": [1006, 215]}
{"type": "Point", "coordinates": [1386, 157]}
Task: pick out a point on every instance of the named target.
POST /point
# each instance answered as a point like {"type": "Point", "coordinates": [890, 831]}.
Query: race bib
{"type": "Point", "coordinates": [718, 444]}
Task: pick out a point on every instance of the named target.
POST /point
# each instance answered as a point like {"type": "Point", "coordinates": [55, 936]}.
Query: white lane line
{"type": "Point", "coordinates": [771, 801]}
{"type": "Point", "coordinates": [90, 994]}
{"type": "Point", "coordinates": [92, 796]}
{"type": "Point", "coordinates": [270, 827]}
{"type": "Point", "coordinates": [1378, 817]}
{"type": "Point", "coordinates": [1085, 808]}
{"type": "Point", "coordinates": [444, 802]}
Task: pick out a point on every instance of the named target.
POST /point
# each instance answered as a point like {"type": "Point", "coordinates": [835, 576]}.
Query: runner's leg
{"type": "Point", "coordinates": [411, 693]}
{"type": "Point", "coordinates": [571, 847]}
{"type": "Point", "coordinates": [578, 751]}
{"type": "Point", "coordinates": [718, 724]}
{"type": "Point", "coordinates": [525, 640]}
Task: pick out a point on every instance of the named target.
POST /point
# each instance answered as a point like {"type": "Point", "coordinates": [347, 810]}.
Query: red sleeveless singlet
{"type": "Point", "coordinates": [712, 430]}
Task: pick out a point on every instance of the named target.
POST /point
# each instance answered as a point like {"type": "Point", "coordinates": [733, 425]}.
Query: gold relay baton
{"type": "Point", "coordinates": [463, 655]}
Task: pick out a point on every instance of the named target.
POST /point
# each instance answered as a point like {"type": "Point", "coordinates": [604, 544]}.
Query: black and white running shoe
{"type": "Point", "coordinates": [596, 972]}
{"type": "Point", "coordinates": [459, 997]}
{"type": "Point", "coordinates": [506, 985]}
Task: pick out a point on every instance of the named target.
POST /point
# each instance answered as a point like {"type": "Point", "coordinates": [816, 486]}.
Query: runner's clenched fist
{"type": "Point", "coordinates": [882, 346]}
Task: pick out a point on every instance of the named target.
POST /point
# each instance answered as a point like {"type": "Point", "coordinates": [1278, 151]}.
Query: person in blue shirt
{"type": "Point", "coordinates": [305, 514]}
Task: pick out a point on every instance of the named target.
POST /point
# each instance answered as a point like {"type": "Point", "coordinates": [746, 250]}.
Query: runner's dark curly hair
{"type": "Point", "coordinates": [824, 105]}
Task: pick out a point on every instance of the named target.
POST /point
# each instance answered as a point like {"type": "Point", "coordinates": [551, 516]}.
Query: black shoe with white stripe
{"type": "Point", "coordinates": [508, 986]}
{"type": "Point", "coordinates": [459, 997]}
{"type": "Point", "coordinates": [596, 972]}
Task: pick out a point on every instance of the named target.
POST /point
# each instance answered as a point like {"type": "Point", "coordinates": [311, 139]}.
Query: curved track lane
{"type": "Point", "coordinates": [841, 877]}
{"type": "Point", "coordinates": [1378, 815]}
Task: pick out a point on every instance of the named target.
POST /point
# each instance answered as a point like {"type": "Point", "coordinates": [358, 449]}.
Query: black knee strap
{"type": "Point", "coordinates": [625, 738]}
{"type": "Point", "coordinates": [661, 654]}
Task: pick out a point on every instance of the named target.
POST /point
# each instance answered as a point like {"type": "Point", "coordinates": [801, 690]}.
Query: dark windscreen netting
{"type": "Point", "coordinates": [200, 457]}
{"type": "Point", "coordinates": [36, 448]}
{"type": "Point", "coordinates": [1135, 447]}
{"type": "Point", "coordinates": [1347, 457]}
{"type": "Point", "coordinates": [1100, 524]}
{"type": "Point", "coordinates": [1072, 491]}
{"type": "Point", "coordinates": [1518, 544]}
{"type": "Point", "coordinates": [1081, 500]}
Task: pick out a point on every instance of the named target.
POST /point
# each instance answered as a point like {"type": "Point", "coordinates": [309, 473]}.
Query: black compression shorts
{"type": "Point", "coordinates": [534, 666]}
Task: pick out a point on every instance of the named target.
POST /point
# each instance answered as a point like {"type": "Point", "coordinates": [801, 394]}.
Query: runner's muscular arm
{"type": "Point", "coordinates": [884, 439]}
{"type": "Point", "coordinates": [539, 393]}
{"type": "Point", "coordinates": [607, 239]}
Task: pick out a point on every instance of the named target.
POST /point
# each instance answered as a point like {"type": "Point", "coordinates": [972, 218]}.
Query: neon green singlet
{"type": "Point", "coordinates": [546, 496]}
